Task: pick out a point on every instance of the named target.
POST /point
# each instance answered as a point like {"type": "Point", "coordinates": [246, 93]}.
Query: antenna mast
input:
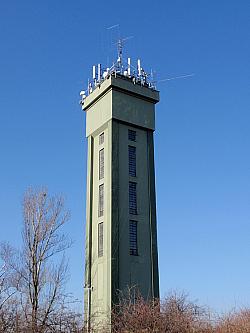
{"type": "Point", "coordinates": [124, 70]}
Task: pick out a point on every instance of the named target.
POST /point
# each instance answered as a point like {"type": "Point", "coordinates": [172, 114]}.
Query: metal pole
{"type": "Point", "coordinates": [89, 326]}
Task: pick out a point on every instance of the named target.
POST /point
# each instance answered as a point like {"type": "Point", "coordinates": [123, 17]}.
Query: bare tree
{"type": "Point", "coordinates": [4, 288]}
{"type": "Point", "coordinates": [39, 280]}
{"type": "Point", "coordinates": [65, 320]}
{"type": "Point", "coordinates": [9, 306]}
{"type": "Point", "coordinates": [175, 314]}
{"type": "Point", "coordinates": [7, 302]}
{"type": "Point", "coordinates": [234, 322]}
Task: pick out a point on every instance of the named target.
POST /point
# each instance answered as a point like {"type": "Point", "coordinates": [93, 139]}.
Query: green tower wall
{"type": "Point", "coordinates": [113, 108]}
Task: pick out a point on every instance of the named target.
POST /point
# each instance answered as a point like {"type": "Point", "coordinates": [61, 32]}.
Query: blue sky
{"type": "Point", "coordinates": [202, 139]}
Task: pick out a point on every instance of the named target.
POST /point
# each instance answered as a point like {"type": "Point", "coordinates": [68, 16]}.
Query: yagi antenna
{"type": "Point", "coordinates": [119, 41]}
{"type": "Point", "coordinates": [177, 77]}
{"type": "Point", "coordinates": [120, 45]}
{"type": "Point", "coordinates": [113, 26]}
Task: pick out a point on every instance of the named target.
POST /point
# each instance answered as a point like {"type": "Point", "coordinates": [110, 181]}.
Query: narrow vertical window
{"type": "Point", "coordinates": [100, 239]}
{"type": "Point", "coordinates": [132, 161]}
{"type": "Point", "coordinates": [101, 200]}
{"type": "Point", "coordinates": [101, 138]}
{"type": "Point", "coordinates": [101, 164]}
{"type": "Point", "coordinates": [133, 245]}
{"type": "Point", "coordinates": [132, 198]}
{"type": "Point", "coordinates": [131, 135]}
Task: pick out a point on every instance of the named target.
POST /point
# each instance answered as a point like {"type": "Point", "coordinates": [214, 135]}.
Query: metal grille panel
{"type": "Point", "coordinates": [101, 200]}
{"type": "Point", "coordinates": [101, 164]}
{"type": "Point", "coordinates": [101, 139]}
{"type": "Point", "coordinates": [132, 161]}
{"type": "Point", "coordinates": [131, 135]}
{"type": "Point", "coordinates": [132, 198]}
{"type": "Point", "coordinates": [100, 239]}
{"type": "Point", "coordinates": [133, 245]}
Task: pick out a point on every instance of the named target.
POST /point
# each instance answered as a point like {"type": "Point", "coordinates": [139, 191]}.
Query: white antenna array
{"type": "Point", "coordinates": [123, 70]}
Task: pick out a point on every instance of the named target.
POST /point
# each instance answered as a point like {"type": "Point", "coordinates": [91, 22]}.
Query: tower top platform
{"type": "Point", "coordinates": [121, 75]}
{"type": "Point", "coordinates": [120, 83]}
{"type": "Point", "coordinates": [120, 98]}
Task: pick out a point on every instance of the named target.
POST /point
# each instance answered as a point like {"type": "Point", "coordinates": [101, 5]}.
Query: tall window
{"type": "Point", "coordinates": [132, 161]}
{"type": "Point", "coordinates": [101, 200]}
{"type": "Point", "coordinates": [132, 198]}
{"type": "Point", "coordinates": [131, 135]}
{"type": "Point", "coordinates": [101, 164]}
{"type": "Point", "coordinates": [133, 245]}
{"type": "Point", "coordinates": [100, 239]}
{"type": "Point", "coordinates": [101, 138]}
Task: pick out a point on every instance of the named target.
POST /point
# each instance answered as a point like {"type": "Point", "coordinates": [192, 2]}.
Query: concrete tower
{"type": "Point", "coordinates": [121, 238]}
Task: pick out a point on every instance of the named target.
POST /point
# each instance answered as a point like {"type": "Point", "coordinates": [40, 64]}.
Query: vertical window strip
{"type": "Point", "coordinates": [131, 135]}
{"type": "Point", "coordinates": [101, 138]}
{"type": "Point", "coordinates": [133, 244]}
{"type": "Point", "coordinates": [132, 160]}
{"type": "Point", "coordinates": [132, 198]}
{"type": "Point", "coordinates": [101, 164]}
{"type": "Point", "coordinates": [101, 200]}
{"type": "Point", "coordinates": [100, 239]}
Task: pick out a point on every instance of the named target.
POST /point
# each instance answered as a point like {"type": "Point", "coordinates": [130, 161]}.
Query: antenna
{"type": "Point", "coordinates": [113, 26]}
{"type": "Point", "coordinates": [120, 44]}
{"type": "Point", "coordinates": [118, 38]}
{"type": "Point", "coordinates": [139, 67]}
{"type": "Point", "coordinates": [129, 68]}
{"type": "Point", "coordinates": [177, 77]}
{"type": "Point", "coordinates": [99, 73]}
{"type": "Point", "coordinates": [83, 96]}
{"type": "Point", "coordinates": [135, 74]}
